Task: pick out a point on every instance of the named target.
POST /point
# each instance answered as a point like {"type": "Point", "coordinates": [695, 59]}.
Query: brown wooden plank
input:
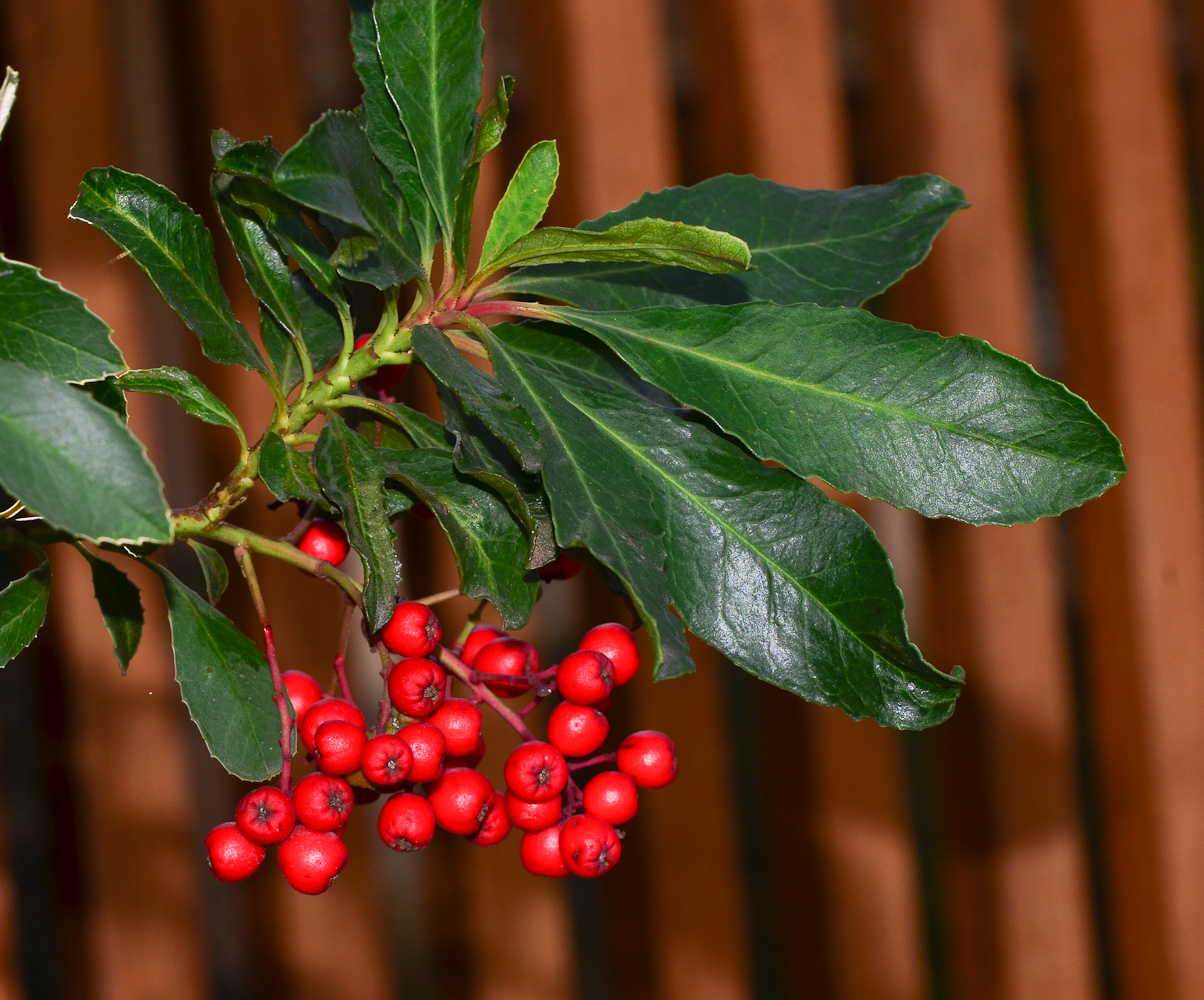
{"type": "Point", "coordinates": [10, 972]}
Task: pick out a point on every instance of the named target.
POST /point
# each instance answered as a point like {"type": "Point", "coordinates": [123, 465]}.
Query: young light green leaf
{"type": "Point", "coordinates": [947, 426]}
{"type": "Point", "coordinates": [120, 606]}
{"type": "Point", "coordinates": [213, 569]}
{"type": "Point", "coordinates": [72, 460]}
{"type": "Point", "coordinates": [45, 327]}
{"type": "Point", "coordinates": [835, 248]}
{"type": "Point", "coordinates": [8, 95]}
{"type": "Point", "coordinates": [526, 200]}
{"type": "Point", "coordinates": [287, 473]}
{"type": "Point", "coordinates": [488, 133]}
{"type": "Point", "coordinates": [492, 124]}
{"type": "Point", "coordinates": [23, 609]}
{"type": "Point", "coordinates": [352, 476]}
{"type": "Point", "coordinates": [225, 682]}
{"type": "Point", "coordinates": [645, 240]}
{"type": "Point", "coordinates": [168, 240]}
{"type": "Point", "coordinates": [195, 398]}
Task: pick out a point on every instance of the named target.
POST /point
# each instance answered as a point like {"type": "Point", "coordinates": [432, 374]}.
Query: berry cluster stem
{"type": "Point", "coordinates": [340, 659]}
{"type": "Point", "coordinates": [454, 665]}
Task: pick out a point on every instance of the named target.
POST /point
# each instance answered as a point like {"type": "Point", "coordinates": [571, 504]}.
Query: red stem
{"type": "Point", "coordinates": [602, 758]}
{"type": "Point", "coordinates": [457, 667]}
{"type": "Point", "coordinates": [340, 659]}
{"type": "Point", "coordinates": [507, 307]}
{"type": "Point", "coordinates": [386, 707]}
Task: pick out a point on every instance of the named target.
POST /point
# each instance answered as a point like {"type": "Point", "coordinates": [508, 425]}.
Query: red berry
{"type": "Point", "coordinates": [302, 690]}
{"type": "Point", "coordinates": [460, 799]}
{"type": "Point", "coordinates": [387, 376]}
{"type": "Point", "coordinates": [428, 748]}
{"type": "Point", "coordinates": [231, 856]}
{"type": "Point", "coordinates": [496, 825]}
{"type": "Point", "coordinates": [509, 656]}
{"type": "Point", "coordinates": [326, 710]}
{"type": "Point", "coordinates": [590, 846]}
{"type": "Point", "coordinates": [265, 816]}
{"type": "Point", "coordinates": [460, 722]}
{"type": "Point", "coordinates": [325, 539]}
{"type": "Point", "coordinates": [406, 822]}
{"type": "Point", "coordinates": [477, 638]}
{"type": "Point", "coordinates": [577, 730]}
{"type": "Point", "coordinates": [413, 630]}
{"type": "Point", "coordinates": [561, 568]}
{"type": "Point", "coordinates": [533, 816]}
{"type": "Point", "coordinates": [536, 771]}
{"type": "Point", "coordinates": [540, 853]}
{"type": "Point", "coordinates": [323, 802]}
{"type": "Point", "coordinates": [339, 747]}
{"type": "Point", "coordinates": [649, 757]}
{"type": "Point", "coordinates": [585, 677]}
{"type": "Point", "coordinates": [468, 760]}
{"type": "Point", "coordinates": [617, 642]}
{"type": "Point", "coordinates": [416, 686]}
{"type": "Point", "coordinates": [611, 796]}
{"type": "Point", "coordinates": [310, 860]}
{"type": "Point", "coordinates": [387, 760]}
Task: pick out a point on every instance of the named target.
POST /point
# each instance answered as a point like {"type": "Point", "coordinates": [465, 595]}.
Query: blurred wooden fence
{"type": "Point", "coordinates": [1048, 842]}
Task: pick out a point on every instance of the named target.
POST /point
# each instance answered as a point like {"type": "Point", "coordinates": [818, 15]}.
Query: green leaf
{"type": "Point", "coordinates": [489, 545]}
{"type": "Point", "coordinates": [120, 606]}
{"type": "Point", "coordinates": [421, 430]}
{"type": "Point", "coordinates": [790, 585]}
{"type": "Point", "coordinates": [526, 200]}
{"type": "Point", "coordinates": [287, 473]}
{"type": "Point", "coordinates": [947, 426]}
{"type": "Point", "coordinates": [108, 393]}
{"type": "Point", "coordinates": [8, 95]}
{"type": "Point", "coordinates": [321, 333]}
{"type": "Point", "coordinates": [23, 609]}
{"type": "Point", "coordinates": [72, 460]}
{"type": "Point", "coordinates": [225, 682]}
{"type": "Point", "coordinates": [257, 158]}
{"type": "Point", "coordinates": [45, 327]}
{"type": "Point", "coordinates": [213, 568]}
{"type": "Point", "coordinates": [194, 397]}
{"type": "Point", "coordinates": [431, 55]}
{"type": "Point", "coordinates": [352, 476]}
{"type": "Point", "coordinates": [835, 248]}
{"type": "Point", "coordinates": [487, 135]}
{"type": "Point", "coordinates": [168, 240]}
{"type": "Point", "coordinates": [647, 240]}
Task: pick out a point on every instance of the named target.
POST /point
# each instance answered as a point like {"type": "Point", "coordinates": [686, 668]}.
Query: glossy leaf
{"type": "Point", "coordinates": [947, 426]}
{"type": "Point", "coordinates": [257, 158]}
{"type": "Point", "coordinates": [168, 240]}
{"type": "Point", "coordinates": [835, 248]}
{"type": "Point", "coordinates": [225, 682]}
{"type": "Point", "coordinates": [321, 333]}
{"type": "Point", "coordinates": [525, 202]}
{"type": "Point", "coordinates": [120, 607]}
{"type": "Point", "coordinates": [287, 473]}
{"type": "Point", "coordinates": [421, 430]}
{"type": "Point", "coordinates": [213, 569]}
{"type": "Point", "coordinates": [72, 460]}
{"type": "Point", "coordinates": [194, 397]}
{"type": "Point", "coordinates": [23, 605]}
{"type": "Point", "coordinates": [45, 327]}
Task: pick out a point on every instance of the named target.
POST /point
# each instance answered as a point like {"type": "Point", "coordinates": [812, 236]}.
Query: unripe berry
{"type": "Point", "coordinates": [460, 722]}
{"type": "Point", "coordinates": [585, 677]}
{"type": "Point", "coordinates": [616, 642]}
{"type": "Point", "coordinates": [511, 657]}
{"type": "Point", "coordinates": [590, 846]}
{"type": "Point", "coordinates": [303, 691]}
{"type": "Point", "coordinates": [326, 710]}
{"type": "Point", "coordinates": [495, 827]}
{"type": "Point", "coordinates": [536, 771]}
{"type": "Point", "coordinates": [387, 760]}
{"type": "Point", "coordinates": [413, 630]}
{"type": "Point", "coordinates": [406, 822]}
{"type": "Point", "coordinates": [231, 856]}
{"type": "Point", "coordinates": [533, 816]}
{"type": "Point", "coordinates": [460, 799]}
{"type": "Point", "coordinates": [477, 638]}
{"type": "Point", "coordinates": [323, 802]}
{"type": "Point", "coordinates": [325, 539]}
{"type": "Point", "coordinates": [387, 376]}
{"type": "Point", "coordinates": [265, 816]}
{"type": "Point", "coordinates": [611, 796]}
{"type": "Point", "coordinates": [540, 853]}
{"type": "Point", "coordinates": [310, 860]}
{"type": "Point", "coordinates": [416, 686]}
{"type": "Point", "coordinates": [339, 747]}
{"type": "Point", "coordinates": [428, 747]}
{"type": "Point", "coordinates": [577, 730]}
{"type": "Point", "coordinates": [649, 757]}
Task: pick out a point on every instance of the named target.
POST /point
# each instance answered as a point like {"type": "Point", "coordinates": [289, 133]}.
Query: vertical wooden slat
{"type": "Point", "coordinates": [10, 973]}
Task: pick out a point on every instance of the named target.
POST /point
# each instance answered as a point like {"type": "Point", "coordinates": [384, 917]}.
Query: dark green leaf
{"type": "Point", "coordinates": [947, 426]}
{"type": "Point", "coordinates": [422, 431]}
{"type": "Point", "coordinates": [108, 393]}
{"type": "Point", "coordinates": [835, 248]}
{"type": "Point", "coordinates": [194, 397]}
{"type": "Point", "coordinates": [120, 606]}
{"type": "Point", "coordinates": [213, 568]}
{"type": "Point", "coordinates": [23, 609]}
{"type": "Point", "coordinates": [168, 240]}
{"type": "Point", "coordinates": [287, 473]}
{"type": "Point", "coordinates": [225, 682]}
{"type": "Point", "coordinates": [350, 472]}
{"type": "Point", "coordinates": [45, 327]}
{"type": "Point", "coordinates": [256, 159]}
{"type": "Point", "coordinates": [71, 460]}
{"type": "Point", "coordinates": [526, 200]}
{"type": "Point", "coordinates": [321, 333]}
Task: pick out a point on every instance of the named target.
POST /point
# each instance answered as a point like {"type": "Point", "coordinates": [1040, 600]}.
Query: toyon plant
{"type": "Point", "coordinates": [650, 393]}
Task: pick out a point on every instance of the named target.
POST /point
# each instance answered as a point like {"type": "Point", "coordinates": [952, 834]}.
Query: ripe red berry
{"type": "Point", "coordinates": [611, 796]}
{"type": "Point", "coordinates": [387, 760]}
{"type": "Point", "coordinates": [416, 686]}
{"type": "Point", "coordinates": [327, 710]}
{"type": "Point", "coordinates": [265, 816]}
{"type": "Point", "coordinates": [323, 802]}
{"type": "Point", "coordinates": [561, 568]}
{"type": "Point", "coordinates": [406, 822]}
{"type": "Point", "coordinates": [649, 757]}
{"type": "Point", "coordinates": [495, 827]}
{"type": "Point", "coordinates": [413, 630]}
{"type": "Point", "coordinates": [428, 747]}
{"type": "Point", "coordinates": [585, 677]}
{"type": "Point", "coordinates": [468, 760]}
{"type": "Point", "coordinates": [509, 656]}
{"type": "Point", "coordinates": [460, 722]}
{"type": "Point", "coordinates": [533, 816]}
{"type": "Point", "coordinates": [540, 853]}
{"type": "Point", "coordinates": [577, 730]}
{"type": "Point", "coordinates": [231, 856]}
{"type": "Point", "coordinates": [590, 846]}
{"type": "Point", "coordinates": [387, 376]}
{"type": "Point", "coordinates": [477, 638]}
{"type": "Point", "coordinates": [617, 642]}
{"type": "Point", "coordinates": [339, 747]}
{"type": "Point", "coordinates": [460, 799]}
{"type": "Point", "coordinates": [325, 539]}
{"type": "Point", "coordinates": [536, 771]}
{"type": "Point", "coordinates": [302, 690]}
{"type": "Point", "coordinates": [310, 860]}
